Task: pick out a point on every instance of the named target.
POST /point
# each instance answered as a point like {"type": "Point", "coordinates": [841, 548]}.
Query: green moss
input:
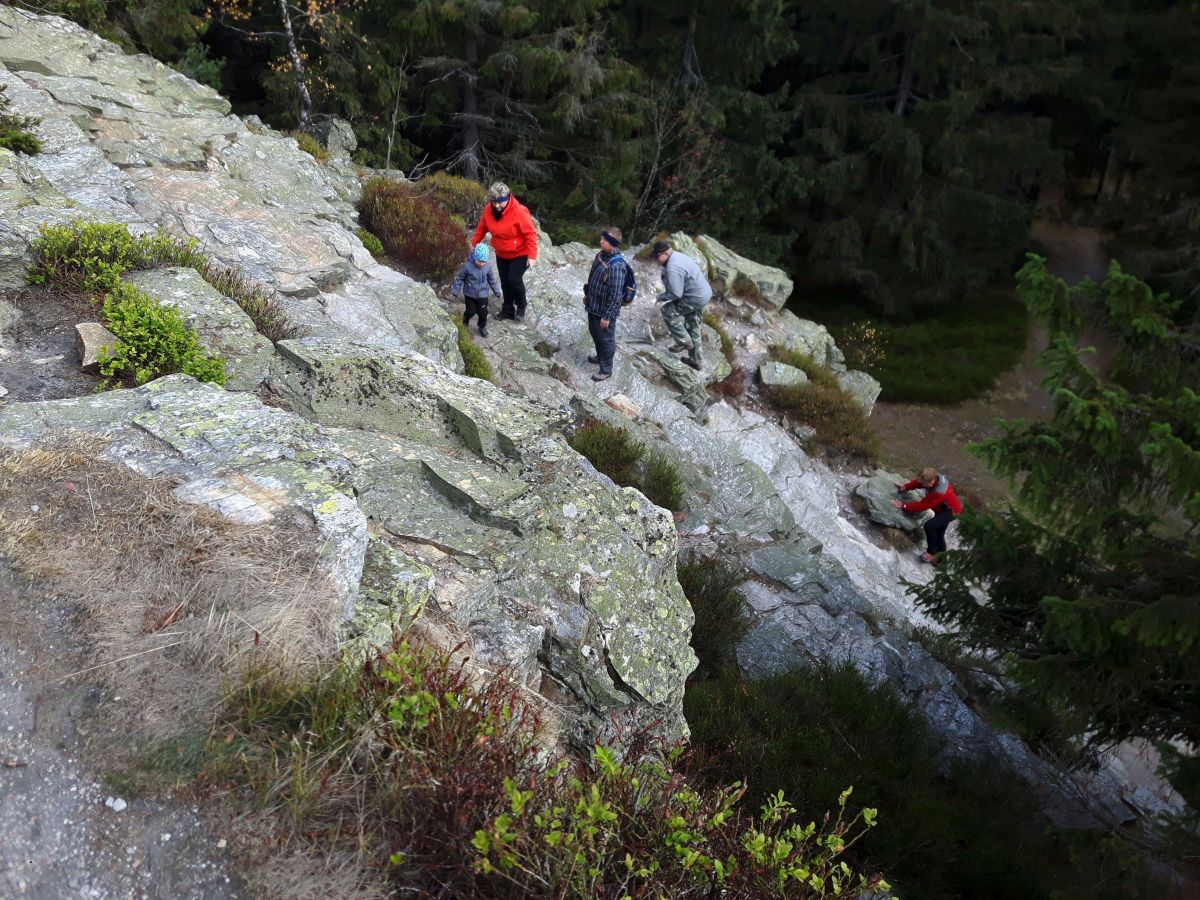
{"type": "Point", "coordinates": [311, 146]}
{"type": "Point", "coordinates": [713, 321]}
{"type": "Point", "coordinates": [475, 363]}
{"type": "Point", "coordinates": [373, 244]}
{"type": "Point", "coordinates": [14, 129]}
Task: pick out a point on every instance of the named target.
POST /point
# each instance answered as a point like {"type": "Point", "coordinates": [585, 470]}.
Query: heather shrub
{"type": "Point", "coordinates": [412, 227]}
{"type": "Point", "coordinates": [624, 459]}
{"type": "Point", "coordinates": [475, 363]}
{"type": "Point", "coordinates": [256, 300]}
{"type": "Point", "coordinates": [822, 403]}
{"type": "Point", "coordinates": [711, 588]}
{"type": "Point", "coordinates": [154, 341]}
{"type": "Point", "coordinates": [459, 197]}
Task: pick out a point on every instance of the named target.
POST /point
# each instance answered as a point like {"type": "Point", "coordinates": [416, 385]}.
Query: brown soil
{"type": "Point", "coordinates": [37, 354]}
{"type": "Point", "coordinates": [913, 435]}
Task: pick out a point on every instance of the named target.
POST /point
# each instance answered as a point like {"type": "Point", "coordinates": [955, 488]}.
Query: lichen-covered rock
{"type": "Point", "coordinates": [811, 339]}
{"type": "Point", "coordinates": [861, 386]}
{"type": "Point", "coordinates": [772, 285]}
{"type": "Point", "coordinates": [878, 492]}
{"type": "Point", "coordinates": [219, 322]}
{"type": "Point", "coordinates": [777, 374]}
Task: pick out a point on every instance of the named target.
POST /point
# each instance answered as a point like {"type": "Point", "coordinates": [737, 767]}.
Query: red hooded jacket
{"type": "Point", "coordinates": [941, 492]}
{"type": "Point", "coordinates": [513, 233]}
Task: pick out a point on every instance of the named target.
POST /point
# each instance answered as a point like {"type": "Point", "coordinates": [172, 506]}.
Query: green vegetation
{"type": "Point", "coordinates": [459, 197]}
{"type": "Point", "coordinates": [711, 588]}
{"type": "Point", "coordinates": [1091, 580]}
{"type": "Point", "coordinates": [412, 227]}
{"type": "Point", "coordinates": [14, 129]}
{"type": "Point", "coordinates": [940, 357]}
{"type": "Point", "coordinates": [822, 403]}
{"type": "Point", "coordinates": [373, 244]}
{"type": "Point", "coordinates": [412, 767]}
{"type": "Point", "coordinates": [713, 321]}
{"type": "Point", "coordinates": [90, 259]}
{"type": "Point", "coordinates": [310, 145]}
{"type": "Point", "coordinates": [953, 829]}
{"type": "Point", "coordinates": [624, 459]}
{"type": "Point", "coordinates": [745, 288]}
{"type": "Point", "coordinates": [475, 363]}
{"type": "Point", "coordinates": [257, 301]}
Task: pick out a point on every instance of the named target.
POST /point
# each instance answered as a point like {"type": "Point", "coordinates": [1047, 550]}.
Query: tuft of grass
{"type": "Point", "coordinates": [713, 321]}
{"type": "Point", "coordinates": [733, 385]}
{"type": "Point", "coordinates": [475, 363]}
{"type": "Point", "coordinates": [310, 145]}
{"type": "Point", "coordinates": [711, 588]}
{"type": "Point", "coordinates": [824, 405]}
{"type": "Point", "coordinates": [256, 300]}
{"type": "Point", "coordinates": [626, 460]}
{"type": "Point", "coordinates": [745, 288]}
{"type": "Point", "coordinates": [373, 244]}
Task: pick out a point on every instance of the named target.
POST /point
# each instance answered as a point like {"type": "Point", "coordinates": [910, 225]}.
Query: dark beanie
{"type": "Point", "coordinates": [659, 247]}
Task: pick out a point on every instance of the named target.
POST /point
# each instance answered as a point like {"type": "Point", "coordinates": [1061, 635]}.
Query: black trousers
{"type": "Point", "coordinates": [512, 284]}
{"type": "Point", "coordinates": [605, 340]}
{"type": "Point", "coordinates": [935, 530]}
{"type": "Point", "coordinates": [476, 306]}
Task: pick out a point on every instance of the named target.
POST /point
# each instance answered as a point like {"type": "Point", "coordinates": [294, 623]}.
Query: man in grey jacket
{"type": "Point", "coordinates": [686, 293]}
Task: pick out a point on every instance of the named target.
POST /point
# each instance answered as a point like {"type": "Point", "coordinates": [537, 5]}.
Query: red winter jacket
{"type": "Point", "coordinates": [941, 492]}
{"type": "Point", "coordinates": [513, 233]}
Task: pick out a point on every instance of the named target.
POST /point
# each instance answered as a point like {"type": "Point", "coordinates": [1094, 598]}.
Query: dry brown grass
{"type": "Point", "coordinates": [171, 599]}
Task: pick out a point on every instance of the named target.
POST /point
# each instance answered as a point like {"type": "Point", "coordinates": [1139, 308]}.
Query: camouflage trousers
{"type": "Point", "coordinates": [685, 322]}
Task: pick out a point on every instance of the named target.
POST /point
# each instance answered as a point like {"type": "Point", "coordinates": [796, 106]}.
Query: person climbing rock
{"type": "Point", "coordinates": [610, 286]}
{"type": "Point", "coordinates": [473, 281]}
{"type": "Point", "coordinates": [939, 497]}
{"type": "Point", "coordinates": [686, 293]}
{"type": "Point", "coordinates": [515, 240]}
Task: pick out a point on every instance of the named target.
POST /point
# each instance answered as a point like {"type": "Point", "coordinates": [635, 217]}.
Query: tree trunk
{"type": "Point", "coordinates": [1106, 174]}
{"type": "Point", "coordinates": [691, 76]}
{"type": "Point", "coordinates": [904, 89]}
{"type": "Point", "coordinates": [305, 99]}
{"type": "Point", "coordinates": [471, 167]}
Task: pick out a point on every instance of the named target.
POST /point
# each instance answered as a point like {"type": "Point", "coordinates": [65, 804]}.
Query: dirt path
{"type": "Point", "coordinates": [915, 434]}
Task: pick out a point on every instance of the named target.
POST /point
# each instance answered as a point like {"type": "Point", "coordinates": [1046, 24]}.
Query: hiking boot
{"type": "Point", "coordinates": [602, 376]}
{"type": "Point", "coordinates": [688, 361]}
{"type": "Point", "coordinates": [483, 332]}
{"type": "Point", "coordinates": [521, 316]}
{"type": "Point", "coordinates": [504, 315]}
{"type": "Point", "coordinates": [678, 348]}
{"type": "Point", "coordinates": [593, 359]}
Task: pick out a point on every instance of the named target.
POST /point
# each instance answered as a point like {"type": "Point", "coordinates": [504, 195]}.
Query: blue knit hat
{"type": "Point", "coordinates": [480, 253]}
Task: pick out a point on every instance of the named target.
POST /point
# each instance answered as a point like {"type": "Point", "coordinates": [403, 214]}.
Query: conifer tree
{"type": "Point", "coordinates": [1089, 587]}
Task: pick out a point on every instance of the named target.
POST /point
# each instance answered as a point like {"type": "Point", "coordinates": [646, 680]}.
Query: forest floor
{"type": "Point", "coordinates": [914, 435]}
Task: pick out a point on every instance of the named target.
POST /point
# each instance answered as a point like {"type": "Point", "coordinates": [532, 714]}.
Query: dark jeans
{"type": "Point", "coordinates": [605, 340]}
{"type": "Point", "coordinates": [935, 530]}
{"type": "Point", "coordinates": [512, 284]}
{"type": "Point", "coordinates": [476, 306]}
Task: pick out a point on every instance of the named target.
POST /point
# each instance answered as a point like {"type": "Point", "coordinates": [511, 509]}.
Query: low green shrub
{"type": "Point", "coordinates": [373, 244]}
{"type": "Point", "coordinates": [475, 363]}
{"type": "Point", "coordinates": [713, 321]}
{"type": "Point", "coordinates": [310, 145]}
{"type": "Point", "coordinates": [822, 403]}
{"type": "Point", "coordinates": [90, 257]}
{"type": "Point", "coordinates": [624, 459]}
{"type": "Point", "coordinates": [459, 197]}
{"type": "Point", "coordinates": [154, 341]}
{"type": "Point", "coordinates": [412, 227]}
{"type": "Point", "coordinates": [711, 588]}
{"type": "Point", "coordinates": [14, 129]}
{"type": "Point", "coordinates": [413, 768]}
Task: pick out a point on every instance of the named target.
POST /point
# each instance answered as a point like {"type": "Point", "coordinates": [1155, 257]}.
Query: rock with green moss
{"type": "Point", "coordinates": [862, 387]}
{"type": "Point", "coordinates": [777, 374]}
{"type": "Point", "coordinates": [770, 285]}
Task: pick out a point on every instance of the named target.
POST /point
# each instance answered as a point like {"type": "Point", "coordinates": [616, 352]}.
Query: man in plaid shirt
{"type": "Point", "coordinates": [610, 286]}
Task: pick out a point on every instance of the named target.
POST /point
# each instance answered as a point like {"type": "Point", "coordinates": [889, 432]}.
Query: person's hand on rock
{"type": "Point", "coordinates": [897, 504]}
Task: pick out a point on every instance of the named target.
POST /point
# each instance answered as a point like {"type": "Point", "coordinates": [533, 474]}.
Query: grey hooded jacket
{"type": "Point", "coordinates": [683, 280]}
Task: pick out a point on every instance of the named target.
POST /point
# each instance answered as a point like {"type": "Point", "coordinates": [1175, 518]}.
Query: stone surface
{"type": "Point", "coordinates": [879, 491]}
{"type": "Point", "coordinates": [223, 328]}
{"type": "Point", "coordinates": [862, 387]}
{"type": "Point", "coordinates": [774, 287]}
{"type": "Point", "coordinates": [624, 406]}
{"type": "Point", "coordinates": [91, 338]}
{"type": "Point", "coordinates": [777, 374]}
{"type": "Point", "coordinates": [336, 134]}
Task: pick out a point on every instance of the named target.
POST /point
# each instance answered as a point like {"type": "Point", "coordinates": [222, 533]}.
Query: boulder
{"type": "Point", "coordinates": [777, 374]}
{"type": "Point", "coordinates": [91, 338]}
{"type": "Point", "coordinates": [861, 386]}
{"type": "Point", "coordinates": [223, 328]}
{"type": "Point", "coordinates": [879, 491]}
{"type": "Point", "coordinates": [811, 339]}
{"type": "Point", "coordinates": [624, 406]}
{"type": "Point", "coordinates": [773, 285]}
{"type": "Point", "coordinates": [336, 134]}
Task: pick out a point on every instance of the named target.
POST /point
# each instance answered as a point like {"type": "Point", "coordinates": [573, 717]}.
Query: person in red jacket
{"type": "Point", "coordinates": [515, 241]}
{"type": "Point", "coordinates": [940, 497]}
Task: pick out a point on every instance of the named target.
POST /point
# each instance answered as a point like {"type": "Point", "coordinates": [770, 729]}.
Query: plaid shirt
{"type": "Point", "coordinates": [609, 284]}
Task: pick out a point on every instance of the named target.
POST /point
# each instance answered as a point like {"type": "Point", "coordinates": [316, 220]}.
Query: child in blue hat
{"type": "Point", "coordinates": [473, 281]}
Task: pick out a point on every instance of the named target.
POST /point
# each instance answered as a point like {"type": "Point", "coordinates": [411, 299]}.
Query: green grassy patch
{"type": "Point", "coordinates": [822, 403]}
{"type": "Point", "coordinates": [475, 363]}
{"type": "Point", "coordinates": [310, 145]}
{"type": "Point", "coordinates": [713, 321]}
{"type": "Point", "coordinates": [14, 129]}
{"type": "Point", "coordinates": [373, 245]}
{"type": "Point", "coordinates": [627, 461]}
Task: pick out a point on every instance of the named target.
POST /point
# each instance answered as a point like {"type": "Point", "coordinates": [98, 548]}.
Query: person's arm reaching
{"type": "Point", "coordinates": [480, 229]}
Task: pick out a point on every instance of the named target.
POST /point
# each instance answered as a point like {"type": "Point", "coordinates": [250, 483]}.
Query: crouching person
{"type": "Point", "coordinates": [939, 497]}
{"type": "Point", "coordinates": [473, 281]}
{"type": "Point", "coordinates": [686, 293]}
{"type": "Point", "coordinates": [610, 285]}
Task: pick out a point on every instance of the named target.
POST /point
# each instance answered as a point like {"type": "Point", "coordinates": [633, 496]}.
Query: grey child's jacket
{"type": "Point", "coordinates": [474, 281]}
